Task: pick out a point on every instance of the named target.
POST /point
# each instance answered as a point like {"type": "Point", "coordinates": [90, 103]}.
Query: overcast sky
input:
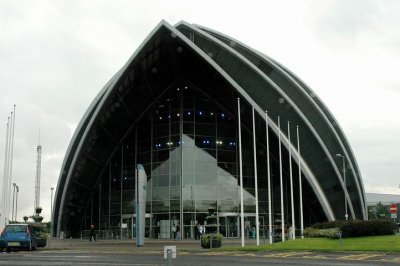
{"type": "Point", "coordinates": [55, 56]}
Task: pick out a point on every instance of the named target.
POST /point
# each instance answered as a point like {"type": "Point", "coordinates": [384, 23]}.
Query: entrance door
{"type": "Point", "coordinates": [249, 226]}
{"type": "Point", "coordinates": [126, 228]}
{"type": "Point", "coordinates": [229, 226]}
{"type": "Point", "coordinates": [129, 227]}
{"type": "Point", "coordinates": [232, 225]}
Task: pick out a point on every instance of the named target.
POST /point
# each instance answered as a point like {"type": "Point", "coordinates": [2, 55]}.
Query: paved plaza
{"type": "Point", "coordinates": [189, 252]}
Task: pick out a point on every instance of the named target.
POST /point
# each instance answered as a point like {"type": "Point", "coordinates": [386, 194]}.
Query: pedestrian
{"type": "Point", "coordinates": [158, 230]}
{"type": "Point", "coordinates": [178, 232]}
{"type": "Point", "coordinates": [197, 232]}
{"type": "Point", "coordinates": [201, 231]}
{"type": "Point", "coordinates": [253, 232]}
{"type": "Point", "coordinates": [290, 232]}
{"type": "Point", "coordinates": [92, 233]}
{"type": "Point", "coordinates": [173, 231]}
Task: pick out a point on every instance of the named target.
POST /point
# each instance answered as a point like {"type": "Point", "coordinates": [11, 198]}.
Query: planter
{"type": "Point", "coordinates": [38, 210]}
{"type": "Point", "coordinates": [216, 241]}
{"type": "Point", "coordinates": [215, 244]}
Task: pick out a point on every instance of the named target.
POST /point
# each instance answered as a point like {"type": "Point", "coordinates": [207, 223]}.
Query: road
{"type": "Point", "coordinates": [47, 257]}
{"type": "Point", "coordinates": [124, 252]}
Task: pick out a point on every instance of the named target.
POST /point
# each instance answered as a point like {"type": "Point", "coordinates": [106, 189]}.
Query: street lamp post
{"type": "Point", "coordinates": [12, 214]}
{"type": "Point", "coordinates": [345, 187]}
{"type": "Point", "coordinates": [16, 203]}
{"type": "Point", "coordinates": [51, 211]}
{"type": "Point", "coordinates": [51, 204]}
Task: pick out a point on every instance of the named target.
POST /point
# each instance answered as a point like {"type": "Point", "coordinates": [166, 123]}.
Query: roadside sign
{"type": "Point", "coordinates": [393, 215]}
{"type": "Point", "coordinates": [171, 250]}
{"type": "Point", "coordinates": [393, 208]}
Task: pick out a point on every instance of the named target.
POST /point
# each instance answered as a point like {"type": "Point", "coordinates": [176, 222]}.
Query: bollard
{"type": "Point", "coordinates": [169, 257]}
{"type": "Point", "coordinates": [169, 254]}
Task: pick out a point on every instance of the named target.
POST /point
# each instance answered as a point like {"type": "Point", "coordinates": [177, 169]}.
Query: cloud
{"type": "Point", "coordinates": [343, 22]}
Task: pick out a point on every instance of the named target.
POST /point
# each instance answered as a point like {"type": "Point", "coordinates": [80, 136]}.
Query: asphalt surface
{"type": "Point", "coordinates": [189, 252]}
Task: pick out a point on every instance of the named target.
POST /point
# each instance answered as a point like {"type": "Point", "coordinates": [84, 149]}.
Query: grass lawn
{"type": "Point", "coordinates": [370, 243]}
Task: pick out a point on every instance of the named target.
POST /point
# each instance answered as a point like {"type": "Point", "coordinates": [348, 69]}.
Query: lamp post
{"type": "Point", "coordinates": [51, 204]}
{"type": "Point", "coordinates": [12, 214]}
{"type": "Point", "coordinates": [51, 212]}
{"type": "Point", "coordinates": [344, 180]}
{"type": "Point", "coordinates": [16, 203]}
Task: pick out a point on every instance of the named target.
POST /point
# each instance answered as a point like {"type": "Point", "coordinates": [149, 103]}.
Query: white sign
{"type": "Point", "coordinates": [393, 215]}
{"type": "Point", "coordinates": [124, 226]}
{"type": "Point", "coordinates": [173, 251]}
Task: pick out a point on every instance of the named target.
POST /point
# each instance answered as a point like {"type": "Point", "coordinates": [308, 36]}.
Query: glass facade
{"type": "Point", "coordinates": [174, 110]}
{"type": "Point", "coordinates": [188, 145]}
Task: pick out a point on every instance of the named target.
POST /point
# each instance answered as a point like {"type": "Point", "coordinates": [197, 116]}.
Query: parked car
{"type": "Point", "coordinates": [17, 237]}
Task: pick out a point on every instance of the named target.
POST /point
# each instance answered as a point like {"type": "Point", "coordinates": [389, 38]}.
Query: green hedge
{"type": "Point", "coordinates": [327, 225]}
{"type": "Point", "coordinates": [353, 228]}
{"type": "Point", "coordinates": [328, 233]}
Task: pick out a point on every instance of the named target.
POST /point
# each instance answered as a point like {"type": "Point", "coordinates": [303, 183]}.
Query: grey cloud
{"type": "Point", "coordinates": [343, 20]}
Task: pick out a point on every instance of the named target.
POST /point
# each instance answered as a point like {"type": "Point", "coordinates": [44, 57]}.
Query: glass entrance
{"type": "Point", "coordinates": [229, 226]}
{"type": "Point", "coordinates": [129, 227]}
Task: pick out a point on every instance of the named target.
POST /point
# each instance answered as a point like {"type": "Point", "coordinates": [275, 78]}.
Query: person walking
{"type": "Point", "coordinates": [92, 233]}
{"type": "Point", "coordinates": [201, 231]}
{"type": "Point", "coordinates": [158, 230]}
{"type": "Point", "coordinates": [197, 231]}
{"type": "Point", "coordinates": [173, 231]}
{"type": "Point", "coordinates": [178, 232]}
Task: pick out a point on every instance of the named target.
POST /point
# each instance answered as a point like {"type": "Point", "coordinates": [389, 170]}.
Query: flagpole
{"type": "Point", "coordinates": [11, 149]}
{"type": "Point", "coordinates": [9, 179]}
{"type": "Point", "coordinates": [255, 178]}
{"type": "Point", "coordinates": [291, 182]}
{"type": "Point", "coordinates": [281, 181]}
{"type": "Point", "coordinates": [241, 176]}
{"type": "Point", "coordinates": [5, 175]}
{"type": "Point", "coordinates": [300, 186]}
{"type": "Point", "coordinates": [269, 183]}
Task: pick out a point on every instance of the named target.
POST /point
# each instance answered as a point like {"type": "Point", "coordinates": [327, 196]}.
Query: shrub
{"type": "Point", "coordinates": [216, 239]}
{"type": "Point", "coordinates": [354, 228]}
{"type": "Point", "coordinates": [328, 233]}
{"type": "Point", "coordinates": [367, 228]}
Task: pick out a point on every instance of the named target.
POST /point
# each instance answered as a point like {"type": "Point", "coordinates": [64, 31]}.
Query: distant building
{"type": "Point", "coordinates": [384, 200]}
{"type": "Point", "coordinates": [173, 108]}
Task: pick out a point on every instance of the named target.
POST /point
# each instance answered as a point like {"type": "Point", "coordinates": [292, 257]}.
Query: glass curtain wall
{"type": "Point", "coordinates": [188, 146]}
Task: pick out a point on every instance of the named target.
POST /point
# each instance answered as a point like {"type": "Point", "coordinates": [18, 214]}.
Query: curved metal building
{"type": "Point", "coordinates": [173, 108]}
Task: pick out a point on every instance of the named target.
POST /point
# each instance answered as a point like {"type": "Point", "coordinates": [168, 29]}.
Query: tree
{"type": "Point", "coordinates": [380, 212]}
